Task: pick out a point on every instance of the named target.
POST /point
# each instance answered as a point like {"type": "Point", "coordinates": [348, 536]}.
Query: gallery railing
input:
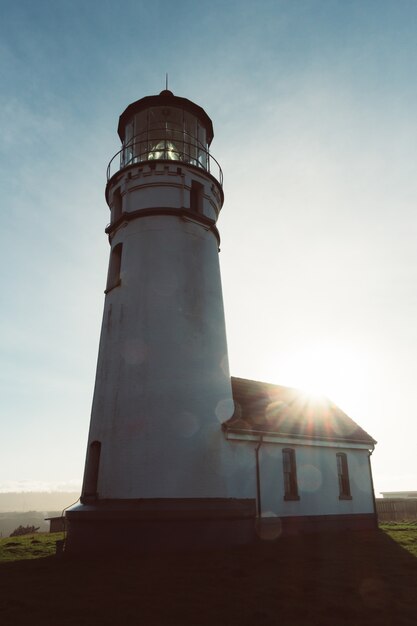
{"type": "Point", "coordinates": [166, 145]}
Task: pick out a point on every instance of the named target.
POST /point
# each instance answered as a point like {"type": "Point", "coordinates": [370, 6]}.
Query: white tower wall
{"type": "Point", "coordinates": [163, 384]}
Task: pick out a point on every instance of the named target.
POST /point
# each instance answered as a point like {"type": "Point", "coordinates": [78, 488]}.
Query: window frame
{"type": "Point", "coordinates": [290, 475]}
{"type": "Point", "coordinates": [116, 205]}
{"type": "Point", "coordinates": [343, 476]}
{"type": "Point", "coordinates": [196, 196]}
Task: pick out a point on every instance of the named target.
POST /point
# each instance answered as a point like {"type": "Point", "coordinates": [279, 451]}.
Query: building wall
{"type": "Point", "coordinates": [400, 495]}
{"type": "Point", "coordinates": [56, 524]}
{"type": "Point", "coordinates": [317, 479]}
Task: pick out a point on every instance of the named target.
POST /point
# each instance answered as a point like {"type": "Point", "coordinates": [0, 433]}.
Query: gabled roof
{"type": "Point", "coordinates": [274, 410]}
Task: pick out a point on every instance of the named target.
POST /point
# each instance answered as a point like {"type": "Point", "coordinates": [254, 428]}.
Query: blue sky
{"type": "Point", "coordinates": [313, 105]}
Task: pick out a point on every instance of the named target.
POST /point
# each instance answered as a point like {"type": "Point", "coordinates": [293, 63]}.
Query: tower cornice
{"type": "Point", "coordinates": [132, 168]}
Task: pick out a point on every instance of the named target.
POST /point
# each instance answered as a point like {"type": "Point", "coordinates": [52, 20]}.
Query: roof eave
{"type": "Point", "coordinates": [271, 433]}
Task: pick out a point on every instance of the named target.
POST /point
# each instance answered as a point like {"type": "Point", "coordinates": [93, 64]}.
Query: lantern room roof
{"type": "Point", "coordinates": [165, 98]}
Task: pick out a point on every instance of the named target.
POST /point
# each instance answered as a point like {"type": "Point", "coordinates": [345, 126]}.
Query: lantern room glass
{"type": "Point", "coordinates": [165, 133]}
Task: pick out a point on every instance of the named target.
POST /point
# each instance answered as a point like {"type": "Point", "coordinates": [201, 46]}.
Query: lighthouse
{"type": "Point", "coordinates": [159, 470]}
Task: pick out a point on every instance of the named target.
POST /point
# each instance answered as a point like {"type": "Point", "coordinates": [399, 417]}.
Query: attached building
{"type": "Point", "coordinates": [310, 463]}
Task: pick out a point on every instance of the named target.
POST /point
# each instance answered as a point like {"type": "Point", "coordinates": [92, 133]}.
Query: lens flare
{"type": "Point", "coordinates": [269, 527]}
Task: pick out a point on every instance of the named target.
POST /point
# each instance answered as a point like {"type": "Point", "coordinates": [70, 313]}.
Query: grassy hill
{"type": "Point", "coordinates": [28, 547]}
{"type": "Point", "coordinates": [10, 521]}
{"type": "Point", "coordinates": [324, 580]}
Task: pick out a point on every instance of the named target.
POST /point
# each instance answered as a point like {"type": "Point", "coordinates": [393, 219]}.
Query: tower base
{"type": "Point", "coordinates": [137, 526]}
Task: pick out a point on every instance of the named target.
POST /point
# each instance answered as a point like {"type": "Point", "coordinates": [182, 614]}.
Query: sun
{"type": "Point", "coordinates": [334, 370]}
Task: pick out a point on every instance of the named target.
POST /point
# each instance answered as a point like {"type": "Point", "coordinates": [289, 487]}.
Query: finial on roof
{"type": "Point", "coordinates": [166, 91]}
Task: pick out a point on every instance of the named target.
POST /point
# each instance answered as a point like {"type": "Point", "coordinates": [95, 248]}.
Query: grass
{"type": "Point", "coordinates": [322, 580]}
{"type": "Point", "coordinates": [29, 546]}
{"type": "Point", "coordinates": [404, 533]}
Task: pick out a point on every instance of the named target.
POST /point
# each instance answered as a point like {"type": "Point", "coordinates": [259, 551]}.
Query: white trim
{"type": "Point", "coordinates": [296, 441]}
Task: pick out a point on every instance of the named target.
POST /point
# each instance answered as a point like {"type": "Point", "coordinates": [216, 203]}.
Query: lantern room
{"type": "Point", "coordinates": [165, 128]}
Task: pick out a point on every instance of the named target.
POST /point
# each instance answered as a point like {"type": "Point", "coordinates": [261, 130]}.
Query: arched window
{"type": "Point", "coordinates": [290, 474]}
{"type": "Point", "coordinates": [113, 277]}
{"type": "Point", "coordinates": [343, 476]}
{"type": "Point", "coordinates": [91, 469]}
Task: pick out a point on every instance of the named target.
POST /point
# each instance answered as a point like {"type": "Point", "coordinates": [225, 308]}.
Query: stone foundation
{"type": "Point", "coordinates": [135, 526]}
{"type": "Point", "coordinates": [270, 528]}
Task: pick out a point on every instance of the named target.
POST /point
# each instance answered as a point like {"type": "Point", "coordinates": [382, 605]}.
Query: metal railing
{"type": "Point", "coordinates": [168, 145]}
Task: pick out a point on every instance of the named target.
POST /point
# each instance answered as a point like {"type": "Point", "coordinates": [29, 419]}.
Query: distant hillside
{"type": "Point", "coordinates": [36, 501]}
{"type": "Point", "coordinates": [10, 521]}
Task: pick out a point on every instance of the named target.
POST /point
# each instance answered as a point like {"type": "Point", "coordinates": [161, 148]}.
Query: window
{"type": "Point", "coordinates": [113, 277]}
{"type": "Point", "coordinates": [290, 475]}
{"type": "Point", "coordinates": [196, 197]}
{"type": "Point", "coordinates": [116, 207]}
{"type": "Point", "coordinates": [343, 476]}
{"type": "Point", "coordinates": [91, 469]}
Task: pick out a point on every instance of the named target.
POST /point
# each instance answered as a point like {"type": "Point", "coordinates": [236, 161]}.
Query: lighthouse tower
{"type": "Point", "coordinates": [159, 471]}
